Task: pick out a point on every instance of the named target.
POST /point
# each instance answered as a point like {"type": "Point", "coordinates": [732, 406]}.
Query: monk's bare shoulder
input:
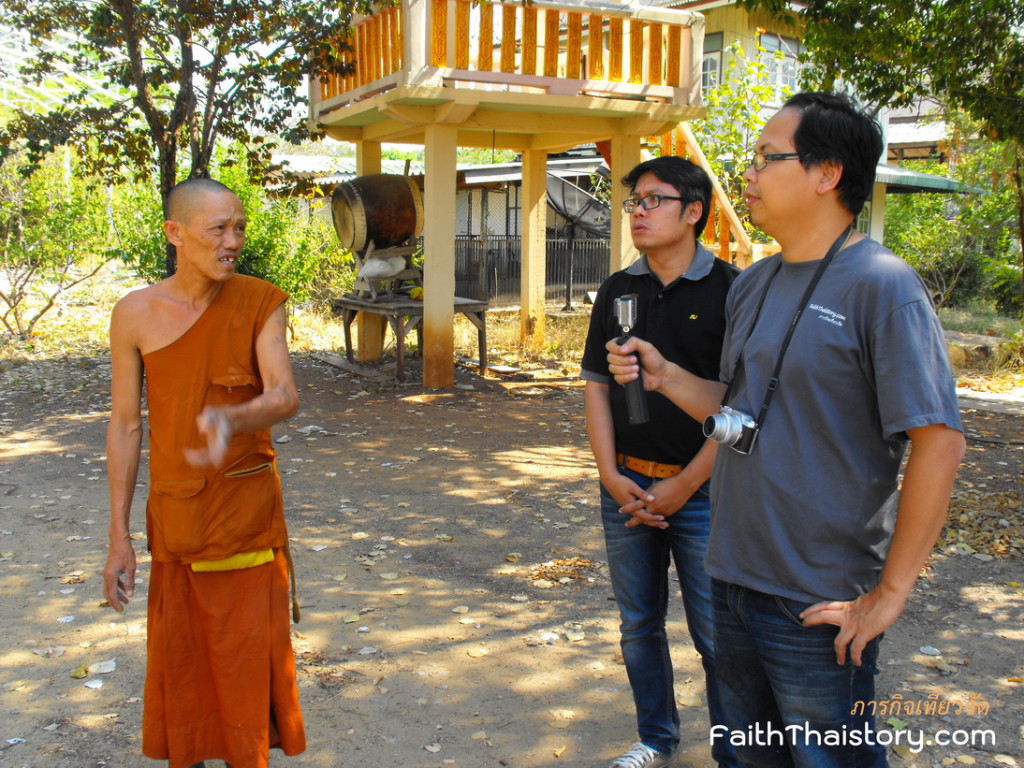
{"type": "Point", "coordinates": [133, 314]}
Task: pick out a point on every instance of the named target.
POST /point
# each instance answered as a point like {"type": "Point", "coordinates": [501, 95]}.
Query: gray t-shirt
{"type": "Point", "coordinates": [809, 514]}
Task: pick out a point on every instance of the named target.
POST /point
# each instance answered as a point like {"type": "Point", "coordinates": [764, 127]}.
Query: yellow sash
{"type": "Point", "coordinates": [236, 562]}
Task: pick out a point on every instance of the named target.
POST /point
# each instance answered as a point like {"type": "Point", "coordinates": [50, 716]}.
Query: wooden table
{"type": "Point", "coordinates": [403, 315]}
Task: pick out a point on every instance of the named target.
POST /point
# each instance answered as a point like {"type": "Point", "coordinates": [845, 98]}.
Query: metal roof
{"type": "Point", "coordinates": [919, 132]}
{"type": "Point", "coordinates": [905, 180]}
{"type": "Point", "coordinates": [326, 169]}
{"type": "Point", "coordinates": [563, 167]}
{"type": "Point", "coordinates": [334, 170]}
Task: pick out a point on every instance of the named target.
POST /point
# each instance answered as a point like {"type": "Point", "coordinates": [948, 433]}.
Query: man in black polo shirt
{"type": "Point", "coordinates": [654, 496]}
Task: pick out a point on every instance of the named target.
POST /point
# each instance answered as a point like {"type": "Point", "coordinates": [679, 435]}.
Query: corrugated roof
{"type": "Point", "coordinates": [327, 169]}
{"type": "Point", "coordinates": [921, 132]}
{"type": "Point", "coordinates": [905, 180]}
{"type": "Point", "coordinates": [563, 167]}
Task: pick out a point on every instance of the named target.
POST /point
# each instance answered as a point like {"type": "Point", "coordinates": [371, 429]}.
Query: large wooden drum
{"type": "Point", "coordinates": [385, 209]}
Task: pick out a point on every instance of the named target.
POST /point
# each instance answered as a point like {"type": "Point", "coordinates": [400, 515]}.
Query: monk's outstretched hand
{"type": "Point", "coordinates": [214, 425]}
{"type": "Point", "coordinates": [119, 574]}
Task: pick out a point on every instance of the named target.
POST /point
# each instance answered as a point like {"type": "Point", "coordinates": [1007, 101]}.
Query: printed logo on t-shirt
{"type": "Point", "coordinates": [829, 315]}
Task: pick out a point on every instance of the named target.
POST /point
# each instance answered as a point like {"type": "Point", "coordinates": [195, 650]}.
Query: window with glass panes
{"type": "Point", "coordinates": [711, 64]}
{"type": "Point", "coordinates": [781, 59]}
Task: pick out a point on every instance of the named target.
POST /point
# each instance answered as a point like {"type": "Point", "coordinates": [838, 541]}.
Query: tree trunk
{"type": "Point", "coordinates": [168, 177]}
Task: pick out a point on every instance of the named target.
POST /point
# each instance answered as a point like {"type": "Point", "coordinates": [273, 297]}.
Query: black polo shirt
{"type": "Point", "coordinates": [685, 321]}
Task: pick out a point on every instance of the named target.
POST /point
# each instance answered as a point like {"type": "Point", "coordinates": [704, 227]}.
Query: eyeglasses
{"type": "Point", "coordinates": [760, 160]}
{"type": "Point", "coordinates": [647, 202]}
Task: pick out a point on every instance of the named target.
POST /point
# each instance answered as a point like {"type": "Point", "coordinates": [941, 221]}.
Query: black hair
{"type": "Point", "coordinates": [833, 129]}
{"type": "Point", "coordinates": [689, 179]}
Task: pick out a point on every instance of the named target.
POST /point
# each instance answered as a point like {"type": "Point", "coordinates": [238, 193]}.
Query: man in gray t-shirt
{"type": "Point", "coordinates": [814, 547]}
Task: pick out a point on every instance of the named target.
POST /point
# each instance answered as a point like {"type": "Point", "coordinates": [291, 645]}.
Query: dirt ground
{"type": "Point", "coordinates": [456, 607]}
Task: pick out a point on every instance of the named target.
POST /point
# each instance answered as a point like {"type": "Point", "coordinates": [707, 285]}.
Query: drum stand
{"type": "Point", "coordinates": [383, 288]}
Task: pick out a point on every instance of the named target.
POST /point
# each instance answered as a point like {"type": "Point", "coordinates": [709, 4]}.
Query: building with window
{"type": "Point", "coordinates": [911, 133]}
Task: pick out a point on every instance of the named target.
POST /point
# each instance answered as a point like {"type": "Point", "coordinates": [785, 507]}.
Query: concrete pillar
{"type": "Point", "coordinates": [439, 256]}
{"type": "Point", "coordinates": [533, 256]}
{"type": "Point", "coordinates": [368, 158]}
{"type": "Point", "coordinates": [625, 155]}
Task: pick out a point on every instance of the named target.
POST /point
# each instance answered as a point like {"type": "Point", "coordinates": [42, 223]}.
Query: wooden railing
{"type": "Point", "coordinates": [724, 232]}
{"type": "Point", "coordinates": [576, 49]}
{"type": "Point", "coordinates": [374, 48]}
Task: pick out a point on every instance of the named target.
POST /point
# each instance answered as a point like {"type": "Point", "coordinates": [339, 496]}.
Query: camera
{"type": "Point", "coordinates": [732, 428]}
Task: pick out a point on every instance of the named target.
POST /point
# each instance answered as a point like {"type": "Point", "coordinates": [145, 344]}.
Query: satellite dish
{"type": "Point", "coordinates": [583, 212]}
{"type": "Point", "coordinates": [578, 207]}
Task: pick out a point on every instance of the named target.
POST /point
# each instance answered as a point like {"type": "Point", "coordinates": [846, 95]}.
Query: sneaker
{"type": "Point", "coordinates": [641, 756]}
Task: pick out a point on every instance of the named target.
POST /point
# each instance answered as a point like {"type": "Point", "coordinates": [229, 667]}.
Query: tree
{"type": "Point", "coordinates": [51, 238]}
{"type": "Point", "coordinates": [735, 118]}
{"type": "Point", "coordinates": [966, 246]}
{"type": "Point", "coordinates": [997, 215]}
{"type": "Point", "coordinates": [190, 72]}
{"type": "Point", "coordinates": [290, 241]}
{"type": "Point", "coordinates": [971, 52]}
{"type": "Point", "coordinates": [968, 53]}
{"type": "Point", "coordinates": [930, 233]}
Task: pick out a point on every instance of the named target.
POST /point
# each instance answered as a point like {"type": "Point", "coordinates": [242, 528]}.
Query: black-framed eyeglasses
{"type": "Point", "coordinates": [647, 202]}
{"type": "Point", "coordinates": [760, 160]}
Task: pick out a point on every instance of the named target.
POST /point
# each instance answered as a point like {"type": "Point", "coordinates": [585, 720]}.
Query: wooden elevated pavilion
{"type": "Point", "coordinates": [534, 78]}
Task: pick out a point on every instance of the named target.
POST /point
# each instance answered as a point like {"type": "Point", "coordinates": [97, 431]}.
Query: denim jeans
{"type": "Point", "coordinates": [783, 692]}
{"type": "Point", "coordinates": [638, 562]}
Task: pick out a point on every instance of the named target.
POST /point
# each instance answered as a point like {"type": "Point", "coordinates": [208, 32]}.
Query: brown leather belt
{"type": "Point", "coordinates": [649, 468]}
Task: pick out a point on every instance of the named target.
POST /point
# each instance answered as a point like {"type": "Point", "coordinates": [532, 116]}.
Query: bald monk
{"type": "Point", "coordinates": [210, 346]}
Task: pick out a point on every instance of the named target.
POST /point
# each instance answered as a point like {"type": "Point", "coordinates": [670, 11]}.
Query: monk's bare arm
{"type": "Point", "coordinates": [279, 400]}
{"type": "Point", "coordinates": [124, 448]}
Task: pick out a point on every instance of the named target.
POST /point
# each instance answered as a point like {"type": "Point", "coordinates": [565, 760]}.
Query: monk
{"type": "Point", "coordinates": [210, 347]}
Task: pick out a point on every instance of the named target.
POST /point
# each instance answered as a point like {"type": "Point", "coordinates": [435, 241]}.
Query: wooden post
{"type": "Point", "coordinates": [439, 256]}
{"type": "Point", "coordinates": [368, 158]}
{"type": "Point", "coordinates": [370, 328]}
{"type": "Point", "coordinates": [533, 213]}
{"type": "Point", "coordinates": [625, 155]}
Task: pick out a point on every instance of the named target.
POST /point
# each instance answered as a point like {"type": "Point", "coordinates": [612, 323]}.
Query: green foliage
{"type": "Point", "coordinates": [928, 232]}
{"type": "Point", "coordinates": [137, 233]}
{"type": "Point", "coordinates": [894, 51]}
{"type": "Point", "coordinates": [1006, 287]}
{"type": "Point", "coordinates": [966, 246]}
{"type": "Point", "coordinates": [290, 241]}
{"type": "Point", "coordinates": [996, 216]}
{"type": "Point", "coordinates": [52, 226]}
{"type": "Point", "coordinates": [484, 155]}
{"type": "Point", "coordinates": [179, 77]}
{"type": "Point", "coordinates": [734, 120]}
{"type": "Point", "coordinates": [394, 153]}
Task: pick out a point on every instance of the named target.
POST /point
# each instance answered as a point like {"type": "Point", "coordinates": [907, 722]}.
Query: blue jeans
{"type": "Point", "coordinates": [638, 562]}
{"type": "Point", "coordinates": [782, 690]}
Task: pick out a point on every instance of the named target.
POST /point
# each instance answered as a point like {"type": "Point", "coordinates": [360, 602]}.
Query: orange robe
{"type": "Point", "coordinates": [220, 678]}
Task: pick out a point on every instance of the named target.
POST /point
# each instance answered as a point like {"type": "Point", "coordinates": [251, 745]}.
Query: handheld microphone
{"type": "Point", "coordinates": [636, 398]}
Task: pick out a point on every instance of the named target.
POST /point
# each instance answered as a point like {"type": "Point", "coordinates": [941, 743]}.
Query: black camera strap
{"type": "Point", "coordinates": [773, 382]}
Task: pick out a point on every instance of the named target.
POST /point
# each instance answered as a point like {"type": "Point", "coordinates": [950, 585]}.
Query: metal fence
{"type": "Point", "coordinates": [489, 268]}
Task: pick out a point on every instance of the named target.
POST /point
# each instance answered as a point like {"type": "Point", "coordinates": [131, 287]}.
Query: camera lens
{"type": "Point", "coordinates": [723, 427]}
